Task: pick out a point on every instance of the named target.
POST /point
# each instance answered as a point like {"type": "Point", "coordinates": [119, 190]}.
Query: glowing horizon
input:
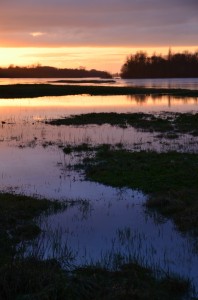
{"type": "Point", "coordinates": [93, 34]}
{"type": "Point", "coordinates": [102, 58]}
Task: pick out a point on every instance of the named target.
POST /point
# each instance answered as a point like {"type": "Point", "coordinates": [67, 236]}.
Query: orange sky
{"type": "Point", "coordinates": [110, 59]}
{"type": "Point", "coordinates": [91, 33]}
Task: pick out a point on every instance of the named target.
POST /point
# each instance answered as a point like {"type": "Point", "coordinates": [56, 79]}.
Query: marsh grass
{"type": "Point", "coordinates": [41, 90]}
{"type": "Point", "coordinates": [33, 277]}
{"type": "Point", "coordinates": [170, 179]}
{"type": "Point", "coordinates": [17, 220]}
{"type": "Point", "coordinates": [84, 147]}
{"type": "Point", "coordinates": [170, 124]}
{"type": "Point", "coordinates": [131, 281]}
{"type": "Point", "coordinates": [187, 123]}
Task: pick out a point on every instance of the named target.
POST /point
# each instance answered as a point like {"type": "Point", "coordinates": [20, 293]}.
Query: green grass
{"type": "Point", "coordinates": [170, 179]}
{"type": "Point", "coordinates": [40, 90]}
{"type": "Point", "coordinates": [171, 123]}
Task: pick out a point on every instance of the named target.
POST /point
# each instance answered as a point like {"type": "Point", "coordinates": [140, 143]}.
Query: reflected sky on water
{"type": "Point", "coordinates": [184, 83]}
{"type": "Point", "coordinates": [33, 164]}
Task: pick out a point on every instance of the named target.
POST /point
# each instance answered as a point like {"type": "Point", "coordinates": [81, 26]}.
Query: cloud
{"type": "Point", "coordinates": [93, 22]}
{"type": "Point", "coordinates": [36, 34]}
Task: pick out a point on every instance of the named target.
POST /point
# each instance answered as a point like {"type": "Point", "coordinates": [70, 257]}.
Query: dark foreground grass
{"type": "Point", "coordinates": [165, 122]}
{"type": "Point", "coordinates": [34, 279]}
{"type": "Point", "coordinates": [17, 214]}
{"type": "Point", "coordinates": [39, 280]}
{"type": "Point", "coordinates": [170, 179]}
{"type": "Point", "coordinates": [40, 90]}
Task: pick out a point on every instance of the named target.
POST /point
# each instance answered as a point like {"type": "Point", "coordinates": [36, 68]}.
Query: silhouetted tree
{"type": "Point", "coordinates": [175, 65]}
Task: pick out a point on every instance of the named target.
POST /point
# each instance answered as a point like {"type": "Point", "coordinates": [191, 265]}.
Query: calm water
{"type": "Point", "coordinates": [186, 83]}
{"type": "Point", "coordinates": [182, 83]}
{"type": "Point", "coordinates": [113, 220]}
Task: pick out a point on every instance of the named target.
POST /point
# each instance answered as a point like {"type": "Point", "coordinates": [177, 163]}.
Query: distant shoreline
{"type": "Point", "coordinates": [41, 90]}
{"type": "Point", "coordinates": [95, 81]}
{"type": "Point", "coordinates": [51, 72]}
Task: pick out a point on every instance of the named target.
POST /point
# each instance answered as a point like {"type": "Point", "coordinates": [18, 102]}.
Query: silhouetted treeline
{"type": "Point", "coordinates": [177, 65]}
{"type": "Point", "coordinates": [50, 72]}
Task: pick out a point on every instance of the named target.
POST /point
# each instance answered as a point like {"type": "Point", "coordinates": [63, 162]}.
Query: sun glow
{"type": "Point", "coordinates": [35, 34]}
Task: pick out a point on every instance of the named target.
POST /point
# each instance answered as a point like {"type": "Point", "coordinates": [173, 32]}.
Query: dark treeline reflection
{"type": "Point", "coordinates": [143, 99]}
{"type": "Point", "coordinates": [177, 65]}
{"type": "Point", "coordinates": [49, 72]}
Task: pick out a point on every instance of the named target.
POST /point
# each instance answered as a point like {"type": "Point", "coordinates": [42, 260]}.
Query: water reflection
{"type": "Point", "coordinates": [157, 102]}
{"type": "Point", "coordinates": [183, 83]}
{"type": "Point", "coordinates": [114, 220]}
{"type": "Point", "coordinates": [179, 83]}
{"type": "Point", "coordinates": [117, 225]}
{"type": "Point", "coordinates": [22, 121]}
{"type": "Point", "coordinates": [53, 107]}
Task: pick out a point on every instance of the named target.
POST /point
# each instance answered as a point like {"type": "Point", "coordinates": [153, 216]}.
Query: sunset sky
{"type": "Point", "coordinates": [92, 33]}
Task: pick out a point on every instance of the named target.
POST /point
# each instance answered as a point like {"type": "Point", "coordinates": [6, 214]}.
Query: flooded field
{"type": "Point", "coordinates": [111, 220]}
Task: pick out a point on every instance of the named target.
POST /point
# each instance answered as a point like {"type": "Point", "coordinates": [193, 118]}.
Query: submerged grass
{"type": "Point", "coordinates": [172, 123]}
{"type": "Point", "coordinates": [17, 214]}
{"type": "Point", "coordinates": [39, 90]}
{"type": "Point", "coordinates": [170, 179]}
{"type": "Point", "coordinates": [84, 147]}
{"type": "Point", "coordinates": [31, 278]}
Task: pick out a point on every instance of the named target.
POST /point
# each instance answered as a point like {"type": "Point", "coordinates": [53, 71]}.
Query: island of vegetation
{"type": "Point", "coordinates": [41, 90]}
{"type": "Point", "coordinates": [50, 72]}
{"type": "Point", "coordinates": [165, 122]}
{"type": "Point", "coordinates": [178, 65]}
